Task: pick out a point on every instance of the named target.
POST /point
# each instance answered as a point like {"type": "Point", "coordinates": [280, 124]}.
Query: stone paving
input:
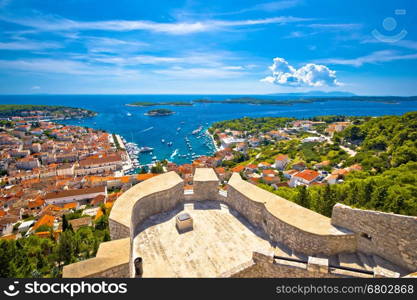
{"type": "Point", "coordinates": [221, 240]}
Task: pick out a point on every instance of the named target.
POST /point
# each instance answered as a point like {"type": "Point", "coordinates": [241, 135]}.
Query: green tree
{"type": "Point", "coordinates": [302, 198]}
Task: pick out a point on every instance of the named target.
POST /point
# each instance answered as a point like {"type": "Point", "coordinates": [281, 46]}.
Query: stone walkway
{"type": "Point", "coordinates": [220, 240]}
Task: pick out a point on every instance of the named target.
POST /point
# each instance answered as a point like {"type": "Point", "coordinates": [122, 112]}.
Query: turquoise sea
{"type": "Point", "coordinates": [130, 122]}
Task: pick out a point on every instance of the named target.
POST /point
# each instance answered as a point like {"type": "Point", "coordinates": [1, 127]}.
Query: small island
{"type": "Point", "coordinates": [159, 112]}
{"type": "Point", "coordinates": [172, 103]}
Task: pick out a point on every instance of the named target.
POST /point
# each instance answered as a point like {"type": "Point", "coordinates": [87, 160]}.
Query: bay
{"type": "Point", "coordinates": [131, 122]}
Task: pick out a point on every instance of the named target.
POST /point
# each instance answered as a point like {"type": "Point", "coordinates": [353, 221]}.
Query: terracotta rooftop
{"type": "Point", "coordinates": [69, 193]}
{"type": "Point", "coordinates": [281, 157]}
{"type": "Point", "coordinates": [47, 220]}
{"type": "Point", "coordinates": [77, 223]}
{"type": "Point", "coordinates": [98, 161]}
{"type": "Point", "coordinates": [308, 175]}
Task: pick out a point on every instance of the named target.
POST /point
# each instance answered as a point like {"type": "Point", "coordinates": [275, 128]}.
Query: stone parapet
{"type": "Point", "coordinates": [112, 260]}
{"type": "Point", "coordinates": [391, 236]}
{"type": "Point", "coordinates": [205, 184]}
{"type": "Point", "coordinates": [285, 222]}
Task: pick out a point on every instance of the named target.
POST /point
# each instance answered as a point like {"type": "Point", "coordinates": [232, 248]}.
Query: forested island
{"type": "Point", "coordinates": [289, 101]}
{"type": "Point", "coordinates": [159, 112]}
{"type": "Point", "coordinates": [146, 104]}
{"type": "Point", "coordinates": [260, 101]}
{"type": "Point", "coordinates": [50, 112]}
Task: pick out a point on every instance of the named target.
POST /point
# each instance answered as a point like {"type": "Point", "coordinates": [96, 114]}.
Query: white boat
{"type": "Point", "coordinates": [129, 114]}
{"type": "Point", "coordinates": [145, 149]}
{"type": "Point", "coordinates": [154, 158]}
{"type": "Point", "coordinates": [162, 141]}
{"type": "Point", "coordinates": [197, 130]}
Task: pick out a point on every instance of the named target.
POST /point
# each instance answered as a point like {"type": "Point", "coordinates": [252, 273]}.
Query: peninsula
{"type": "Point", "coordinates": [43, 112]}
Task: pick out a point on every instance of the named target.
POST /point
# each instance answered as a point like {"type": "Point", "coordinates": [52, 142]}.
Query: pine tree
{"type": "Point", "coordinates": [302, 198]}
{"type": "Point", "coordinates": [64, 223]}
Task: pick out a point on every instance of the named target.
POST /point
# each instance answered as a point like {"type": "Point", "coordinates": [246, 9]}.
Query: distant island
{"type": "Point", "coordinates": [43, 112]}
{"type": "Point", "coordinates": [254, 101]}
{"type": "Point", "coordinates": [291, 99]}
{"type": "Point", "coordinates": [174, 103]}
{"type": "Point", "coordinates": [258, 101]}
{"type": "Point", "coordinates": [159, 112]}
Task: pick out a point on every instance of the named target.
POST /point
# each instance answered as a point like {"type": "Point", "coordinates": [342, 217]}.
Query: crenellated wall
{"type": "Point", "coordinates": [205, 185]}
{"type": "Point", "coordinates": [112, 260]}
{"type": "Point", "coordinates": [286, 222]}
{"type": "Point", "coordinates": [147, 198]}
{"type": "Point", "coordinates": [391, 236]}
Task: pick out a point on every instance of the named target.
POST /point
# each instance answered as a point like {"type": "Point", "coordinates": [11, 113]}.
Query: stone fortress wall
{"type": "Point", "coordinates": [391, 236]}
{"type": "Point", "coordinates": [285, 222]}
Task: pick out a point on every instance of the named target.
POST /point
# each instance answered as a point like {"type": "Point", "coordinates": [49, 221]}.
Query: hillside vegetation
{"type": "Point", "coordinates": [387, 151]}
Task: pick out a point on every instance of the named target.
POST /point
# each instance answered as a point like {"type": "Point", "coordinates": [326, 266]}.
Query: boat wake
{"type": "Point", "coordinates": [147, 129]}
{"type": "Point", "coordinates": [174, 154]}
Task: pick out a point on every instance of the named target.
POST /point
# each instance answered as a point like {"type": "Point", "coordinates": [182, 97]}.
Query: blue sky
{"type": "Point", "coordinates": [216, 47]}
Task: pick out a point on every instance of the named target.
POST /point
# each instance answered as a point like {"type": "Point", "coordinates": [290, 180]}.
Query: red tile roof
{"type": "Point", "coordinates": [68, 193]}
{"type": "Point", "coordinates": [308, 175]}
{"type": "Point", "coordinates": [238, 169]}
{"type": "Point", "coordinates": [45, 220]}
{"type": "Point", "coordinates": [281, 157]}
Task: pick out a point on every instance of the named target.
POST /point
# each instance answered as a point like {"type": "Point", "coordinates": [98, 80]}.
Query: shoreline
{"type": "Point", "coordinates": [213, 141]}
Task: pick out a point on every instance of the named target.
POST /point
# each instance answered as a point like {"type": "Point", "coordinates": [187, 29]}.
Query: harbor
{"type": "Point", "coordinates": [139, 154]}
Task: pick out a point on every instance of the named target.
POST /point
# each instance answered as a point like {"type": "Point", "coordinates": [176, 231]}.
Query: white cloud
{"type": "Point", "coordinates": [409, 44]}
{"type": "Point", "coordinates": [375, 57]}
{"type": "Point", "coordinates": [137, 60]}
{"type": "Point", "coordinates": [28, 45]}
{"type": "Point", "coordinates": [337, 26]}
{"type": "Point", "coordinates": [263, 7]}
{"type": "Point", "coordinates": [64, 66]}
{"type": "Point", "coordinates": [35, 87]}
{"type": "Point", "coordinates": [199, 73]}
{"type": "Point", "coordinates": [308, 75]}
{"type": "Point", "coordinates": [54, 23]}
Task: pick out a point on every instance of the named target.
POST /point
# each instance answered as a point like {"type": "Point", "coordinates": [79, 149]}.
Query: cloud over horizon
{"type": "Point", "coordinates": [311, 75]}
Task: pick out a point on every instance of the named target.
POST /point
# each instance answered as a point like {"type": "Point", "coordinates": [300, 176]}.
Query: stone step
{"type": "Point", "coordinates": [367, 261]}
{"type": "Point", "coordinates": [350, 260]}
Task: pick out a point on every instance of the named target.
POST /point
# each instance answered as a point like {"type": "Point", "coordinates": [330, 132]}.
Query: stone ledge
{"type": "Point", "coordinates": [205, 174]}
{"type": "Point", "coordinates": [288, 212]}
{"type": "Point", "coordinates": [123, 207]}
{"type": "Point", "coordinates": [110, 256]}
